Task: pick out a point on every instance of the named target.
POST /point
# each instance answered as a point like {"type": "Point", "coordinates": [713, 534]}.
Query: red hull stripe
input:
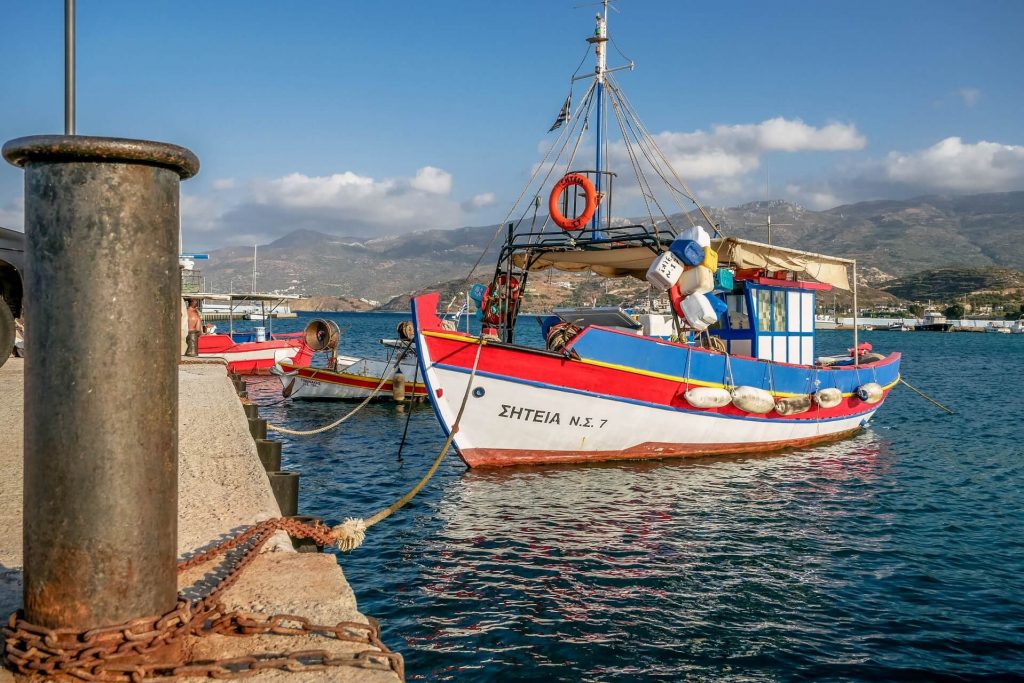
{"type": "Point", "coordinates": [538, 368]}
{"type": "Point", "coordinates": [342, 379]}
{"type": "Point", "coordinates": [495, 457]}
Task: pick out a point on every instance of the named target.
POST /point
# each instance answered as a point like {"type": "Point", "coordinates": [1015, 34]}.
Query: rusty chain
{"type": "Point", "coordinates": [116, 653]}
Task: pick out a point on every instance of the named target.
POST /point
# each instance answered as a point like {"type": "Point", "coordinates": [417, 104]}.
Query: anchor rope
{"type": "Point", "coordinates": [350, 534]}
{"type": "Point", "coordinates": [924, 395]}
{"type": "Point", "coordinates": [343, 418]}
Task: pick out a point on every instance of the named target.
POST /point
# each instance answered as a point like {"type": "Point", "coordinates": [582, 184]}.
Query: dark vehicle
{"type": "Point", "coordinates": [12, 264]}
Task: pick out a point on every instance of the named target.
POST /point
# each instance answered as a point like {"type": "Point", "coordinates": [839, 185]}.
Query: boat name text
{"type": "Point", "coordinates": [548, 417]}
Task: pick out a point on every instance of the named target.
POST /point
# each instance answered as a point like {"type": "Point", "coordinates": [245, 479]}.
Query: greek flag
{"type": "Point", "coordinates": [563, 115]}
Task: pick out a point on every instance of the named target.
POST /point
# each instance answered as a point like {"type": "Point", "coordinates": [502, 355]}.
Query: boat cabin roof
{"type": "Point", "coordinates": [210, 296]}
{"type": "Point", "coordinates": [623, 259]}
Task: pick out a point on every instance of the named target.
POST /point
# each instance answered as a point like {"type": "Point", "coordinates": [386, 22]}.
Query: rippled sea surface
{"type": "Point", "coordinates": [894, 555]}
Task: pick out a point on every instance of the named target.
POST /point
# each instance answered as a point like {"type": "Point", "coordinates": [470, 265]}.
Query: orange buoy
{"type": "Point", "coordinates": [578, 180]}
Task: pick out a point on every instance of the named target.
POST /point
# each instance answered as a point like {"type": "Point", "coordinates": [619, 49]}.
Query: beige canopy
{"type": "Point", "coordinates": [744, 254]}
{"type": "Point", "coordinates": [613, 262]}
{"type": "Point", "coordinates": [634, 261]}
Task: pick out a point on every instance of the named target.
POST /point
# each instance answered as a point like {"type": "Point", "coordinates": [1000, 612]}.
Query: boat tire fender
{"type": "Point", "coordinates": [579, 180]}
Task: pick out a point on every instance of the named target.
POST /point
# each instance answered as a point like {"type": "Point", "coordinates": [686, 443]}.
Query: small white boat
{"type": "Point", "coordinates": [348, 378]}
{"type": "Point", "coordinates": [998, 329]}
{"type": "Point", "coordinates": [900, 327]}
{"type": "Point", "coordinates": [1018, 326]}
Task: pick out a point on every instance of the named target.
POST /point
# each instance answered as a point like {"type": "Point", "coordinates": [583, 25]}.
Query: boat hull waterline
{"type": "Point", "coordinates": [357, 380]}
{"type": "Point", "coordinates": [534, 407]}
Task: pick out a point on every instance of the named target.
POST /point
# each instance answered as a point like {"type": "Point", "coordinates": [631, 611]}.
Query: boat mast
{"type": "Point", "coordinates": [599, 39]}
{"type": "Point", "coordinates": [254, 247]}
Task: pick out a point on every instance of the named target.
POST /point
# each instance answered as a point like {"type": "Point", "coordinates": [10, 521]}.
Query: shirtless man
{"type": "Point", "coordinates": [195, 328]}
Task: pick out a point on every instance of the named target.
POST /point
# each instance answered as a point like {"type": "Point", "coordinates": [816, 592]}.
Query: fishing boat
{"type": "Point", "coordinates": [933, 321]}
{"type": "Point", "coordinates": [255, 352]}
{"type": "Point", "coordinates": [824, 321]}
{"type": "Point", "coordinates": [345, 378]}
{"type": "Point", "coordinates": [739, 374]}
{"type": "Point", "coordinates": [899, 326]}
{"type": "Point", "coordinates": [1018, 326]}
{"type": "Point", "coordinates": [997, 328]}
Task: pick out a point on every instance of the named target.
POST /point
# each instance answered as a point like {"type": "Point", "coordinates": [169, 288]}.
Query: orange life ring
{"type": "Point", "coordinates": [561, 221]}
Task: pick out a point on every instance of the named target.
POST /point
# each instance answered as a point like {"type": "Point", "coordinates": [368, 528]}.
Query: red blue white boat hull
{"type": "Point", "coordinates": [622, 398]}
{"type": "Point", "coordinates": [255, 358]}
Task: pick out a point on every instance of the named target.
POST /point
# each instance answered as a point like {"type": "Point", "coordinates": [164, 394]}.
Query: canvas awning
{"type": "Point", "coordinates": [616, 262]}
{"type": "Point", "coordinates": [634, 261]}
{"type": "Point", "coordinates": [819, 267]}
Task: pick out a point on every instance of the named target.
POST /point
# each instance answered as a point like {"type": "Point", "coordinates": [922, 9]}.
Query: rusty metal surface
{"type": "Point", "coordinates": [150, 646]}
{"type": "Point", "coordinates": [85, 148]}
{"type": "Point", "coordinates": [101, 400]}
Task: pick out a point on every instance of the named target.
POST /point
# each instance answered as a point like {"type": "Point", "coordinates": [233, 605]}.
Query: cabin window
{"type": "Point", "coordinates": [764, 310]}
{"type": "Point", "coordinates": [779, 304]}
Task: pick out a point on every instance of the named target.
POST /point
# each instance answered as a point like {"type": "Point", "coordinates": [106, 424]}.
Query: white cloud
{"type": "Point", "coordinates": [949, 166]}
{"type": "Point", "coordinates": [344, 203]}
{"type": "Point", "coordinates": [732, 150]}
{"type": "Point", "coordinates": [970, 96]}
{"type": "Point", "coordinates": [433, 180]}
{"type": "Point", "coordinates": [477, 202]}
{"type": "Point", "coordinates": [955, 166]}
{"type": "Point", "coordinates": [225, 184]}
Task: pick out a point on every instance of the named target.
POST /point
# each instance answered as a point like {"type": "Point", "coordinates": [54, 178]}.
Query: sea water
{"type": "Point", "coordinates": [894, 555]}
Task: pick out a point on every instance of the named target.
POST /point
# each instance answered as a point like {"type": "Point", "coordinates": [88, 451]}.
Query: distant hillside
{"type": "Point", "coordinates": [890, 240]}
{"type": "Point", "coordinates": [944, 284]}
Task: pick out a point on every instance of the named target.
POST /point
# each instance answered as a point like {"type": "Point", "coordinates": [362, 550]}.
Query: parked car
{"type": "Point", "coordinates": [12, 264]}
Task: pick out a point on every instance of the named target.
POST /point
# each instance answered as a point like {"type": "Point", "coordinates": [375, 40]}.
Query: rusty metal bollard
{"type": "Point", "coordinates": [101, 384]}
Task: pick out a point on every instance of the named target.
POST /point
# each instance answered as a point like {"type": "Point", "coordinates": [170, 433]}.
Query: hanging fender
{"type": "Point", "coordinates": [579, 180]}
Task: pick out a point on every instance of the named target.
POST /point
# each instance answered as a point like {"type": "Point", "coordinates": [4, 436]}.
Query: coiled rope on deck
{"type": "Point", "coordinates": [350, 534]}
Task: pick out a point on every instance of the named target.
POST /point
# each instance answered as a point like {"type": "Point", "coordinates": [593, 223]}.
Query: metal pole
{"type": "Point", "coordinates": [69, 67]}
{"type": "Point", "coordinates": [856, 353]}
{"type": "Point", "coordinates": [101, 408]}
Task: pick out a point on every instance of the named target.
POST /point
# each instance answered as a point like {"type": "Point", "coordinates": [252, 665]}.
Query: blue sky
{"type": "Point", "coordinates": [372, 118]}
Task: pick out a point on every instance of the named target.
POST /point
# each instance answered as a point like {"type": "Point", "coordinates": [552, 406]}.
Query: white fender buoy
{"type": "Point", "coordinates": [828, 398]}
{"type": "Point", "coordinates": [794, 405]}
{"type": "Point", "coordinates": [870, 392]}
{"type": "Point", "coordinates": [753, 400]}
{"type": "Point", "coordinates": [398, 386]}
{"type": "Point", "coordinates": [707, 397]}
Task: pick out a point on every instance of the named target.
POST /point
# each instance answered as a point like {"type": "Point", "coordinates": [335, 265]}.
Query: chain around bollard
{"type": "Point", "coordinates": [104, 654]}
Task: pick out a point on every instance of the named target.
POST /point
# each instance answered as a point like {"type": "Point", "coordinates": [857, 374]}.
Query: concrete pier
{"type": "Point", "coordinates": [222, 488]}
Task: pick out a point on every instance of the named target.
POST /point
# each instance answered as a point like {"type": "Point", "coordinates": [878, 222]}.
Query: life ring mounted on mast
{"type": "Point", "coordinates": [579, 180]}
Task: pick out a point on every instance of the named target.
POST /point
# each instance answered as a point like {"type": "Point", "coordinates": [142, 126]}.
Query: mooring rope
{"type": "Point", "coordinates": [350, 534]}
{"type": "Point", "coordinates": [363, 404]}
{"type": "Point", "coordinates": [924, 395]}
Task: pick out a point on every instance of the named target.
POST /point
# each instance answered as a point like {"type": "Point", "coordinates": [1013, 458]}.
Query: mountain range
{"type": "Point", "coordinates": [890, 239]}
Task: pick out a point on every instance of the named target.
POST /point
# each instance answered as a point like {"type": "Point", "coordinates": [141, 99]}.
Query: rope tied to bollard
{"type": "Point", "coordinates": [350, 534]}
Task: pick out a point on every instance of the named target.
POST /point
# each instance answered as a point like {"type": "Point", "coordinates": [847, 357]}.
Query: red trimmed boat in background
{"type": "Point", "coordinates": [737, 374]}
{"type": "Point", "coordinates": [255, 352]}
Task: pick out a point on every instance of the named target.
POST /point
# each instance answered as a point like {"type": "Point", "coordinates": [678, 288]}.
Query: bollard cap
{"type": "Point", "coordinates": [69, 148]}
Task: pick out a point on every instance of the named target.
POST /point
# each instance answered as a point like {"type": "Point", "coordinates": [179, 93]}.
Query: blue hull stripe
{"type": "Point", "coordinates": [641, 353]}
